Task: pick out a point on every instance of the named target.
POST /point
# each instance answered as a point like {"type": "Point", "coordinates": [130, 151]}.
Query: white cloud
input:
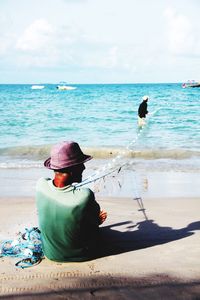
{"type": "Point", "coordinates": [182, 37]}
{"type": "Point", "coordinates": [45, 45]}
{"type": "Point", "coordinates": [106, 58]}
{"type": "Point", "coordinates": [121, 58]}
{"type": "Point", "coordinates": [100, 37]}
{"type": "Point", "coordinates": [4, 44]}
{"type": "Point", "coordinates": [36, 37]}
{"type": "Point", "coordinates": [5, 35]}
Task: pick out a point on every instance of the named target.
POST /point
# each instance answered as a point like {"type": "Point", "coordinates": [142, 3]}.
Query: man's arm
{"type": "Point", "coordinates": [94, 213]}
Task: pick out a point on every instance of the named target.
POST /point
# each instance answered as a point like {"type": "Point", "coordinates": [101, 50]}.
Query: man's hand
{"type": "Point", "coordinates": [102, 216]}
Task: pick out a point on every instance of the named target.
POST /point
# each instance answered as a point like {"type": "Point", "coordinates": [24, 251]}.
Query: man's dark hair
{"type": "Point", "coordinates": [65, 170]}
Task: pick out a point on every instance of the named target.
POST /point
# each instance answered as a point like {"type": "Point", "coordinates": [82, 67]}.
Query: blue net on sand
{"type": "Point", "coordinates": [27, 246]}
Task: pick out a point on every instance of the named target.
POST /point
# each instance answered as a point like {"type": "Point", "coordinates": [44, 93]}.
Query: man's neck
{"type": "Point", "coordinates": [61, 179]}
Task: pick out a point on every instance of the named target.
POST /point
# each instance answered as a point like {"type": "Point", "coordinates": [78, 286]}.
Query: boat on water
{"type": "Point", "coordinates": [63, 86]}
{"type": "Point", "coordinates": [37, 87]}
{"type": "Point", "coordinates": [191, 84]}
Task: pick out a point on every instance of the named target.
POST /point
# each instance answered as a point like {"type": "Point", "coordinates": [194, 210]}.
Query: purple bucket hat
{"type": "Point", "coordinates": [65, 155]}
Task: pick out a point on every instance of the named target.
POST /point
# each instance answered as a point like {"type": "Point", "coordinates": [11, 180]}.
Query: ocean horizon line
{"type": "Point", "coordinates": [98, 83]}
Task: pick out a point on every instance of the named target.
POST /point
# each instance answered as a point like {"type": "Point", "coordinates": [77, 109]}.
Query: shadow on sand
{"type": "Point", "coordinates": [116, 238]}
{"type": "Point", "coordinates": [130, 237]}
{"type": "Point", "coordinates": [153, 287]}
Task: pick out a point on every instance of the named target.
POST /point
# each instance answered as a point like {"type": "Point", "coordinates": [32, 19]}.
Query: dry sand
{"type": "Point", "coordinates": [156, 257]}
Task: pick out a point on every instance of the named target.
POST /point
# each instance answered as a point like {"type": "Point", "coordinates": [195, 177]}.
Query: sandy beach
{"type": "Point", "coordinates": [89, 72]}
{"type": "Point", "coordinates": [151, 254]}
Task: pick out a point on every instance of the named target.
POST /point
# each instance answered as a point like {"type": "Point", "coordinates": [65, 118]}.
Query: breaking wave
{"type": "Point", "coordinates": [33, 156]}
{"type": "Point", "coordinates": [42, 152]}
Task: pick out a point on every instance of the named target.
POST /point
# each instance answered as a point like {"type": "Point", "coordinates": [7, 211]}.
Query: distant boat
{"type": "Point", "coordinates": [37, 87]}
{"type": "Point", "coordinates": [191, 84]}
{"type": "Point", "coordinates": [63, 86]}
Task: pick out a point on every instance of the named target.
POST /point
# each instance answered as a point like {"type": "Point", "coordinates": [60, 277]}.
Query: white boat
{"type": "Point", "coordinates": [65, 87]}
{"type": "Point", "coordinates": [37, 87]}
{"type": "Point", "coordinates": [191, 84]}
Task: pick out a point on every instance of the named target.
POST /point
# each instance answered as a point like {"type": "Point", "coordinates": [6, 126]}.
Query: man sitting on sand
{"type": "Point", "coordinates": [69, 217]}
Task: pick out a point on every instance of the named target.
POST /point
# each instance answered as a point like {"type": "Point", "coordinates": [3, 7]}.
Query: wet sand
{"type": "Point", "coordinates": [21, 183]}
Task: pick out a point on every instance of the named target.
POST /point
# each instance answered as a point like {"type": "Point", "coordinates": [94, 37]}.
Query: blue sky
{"type": "Point", "coordinates": [99, 41]}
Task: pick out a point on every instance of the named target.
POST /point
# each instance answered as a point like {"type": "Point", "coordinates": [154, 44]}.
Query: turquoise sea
{"type": "Point", "coordinates": [103, 117]}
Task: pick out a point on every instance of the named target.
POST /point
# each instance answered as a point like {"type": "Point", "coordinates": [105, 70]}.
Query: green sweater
{"type": "Point", "coordinates": [68, 220]}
